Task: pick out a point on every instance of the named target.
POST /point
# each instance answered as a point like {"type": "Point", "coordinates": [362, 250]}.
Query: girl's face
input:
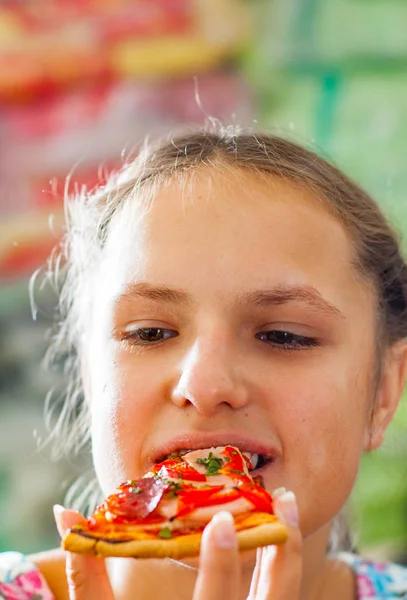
{"type": "Point", "coordinates": [231, 313]}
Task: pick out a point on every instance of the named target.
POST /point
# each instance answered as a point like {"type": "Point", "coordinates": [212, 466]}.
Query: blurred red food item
{"type": "Point", "coordinates": [50, 45]}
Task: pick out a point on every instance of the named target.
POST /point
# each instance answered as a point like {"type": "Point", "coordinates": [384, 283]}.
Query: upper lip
{"type": "Point", "coordinates": [196, 440]}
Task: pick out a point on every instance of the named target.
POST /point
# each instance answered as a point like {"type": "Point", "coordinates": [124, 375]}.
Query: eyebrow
{"type": "Point", "coordinates": [286, 294]}
{"type": "Point", "coordinates": [259, 298]}
{"type": "Point", "coordinates": [161, 293]}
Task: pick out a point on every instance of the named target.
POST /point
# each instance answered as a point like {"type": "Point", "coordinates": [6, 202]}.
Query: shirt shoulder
{"type": "Point", "coordinates": [378, 580]}
{"type": "Point", "coordinates": [20, 579]}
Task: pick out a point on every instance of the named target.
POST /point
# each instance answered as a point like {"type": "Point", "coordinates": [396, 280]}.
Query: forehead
{"type": "Point", "coordinates": [230, 209]}
{"type": "Point", "coordinates": [220, 232]}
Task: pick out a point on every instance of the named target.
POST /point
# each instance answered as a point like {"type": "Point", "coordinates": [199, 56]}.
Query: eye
{"type": "Point", "coordinates": [285, 340]}
{"type": "Point", "coordinates": [149, 335]}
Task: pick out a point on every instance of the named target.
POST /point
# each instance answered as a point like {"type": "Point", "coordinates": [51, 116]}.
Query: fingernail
{"type": "Point", "coordinates": [278, 492]}
{"type": "Point", "coordinates": [224, 533]}
{"type": "Point", "coordinates": [286, 509]}
{"type": "Point", "coordinates": [58, 512]}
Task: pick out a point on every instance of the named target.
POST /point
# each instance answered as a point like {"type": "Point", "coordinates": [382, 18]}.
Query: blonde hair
{"type": "Point", "coordinates": [89, 215]}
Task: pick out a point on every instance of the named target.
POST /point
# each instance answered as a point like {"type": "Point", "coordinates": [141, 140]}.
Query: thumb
{"type": "Point", "coordinates": [278, 574]}
{"type": "Point", "coordinates": [86, 576]}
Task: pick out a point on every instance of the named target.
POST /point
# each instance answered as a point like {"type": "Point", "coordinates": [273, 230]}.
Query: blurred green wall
{"type": "Point", "coordinates": [334, 75]}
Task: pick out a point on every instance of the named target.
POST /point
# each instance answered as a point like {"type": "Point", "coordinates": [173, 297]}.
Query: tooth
{"type": "Point", "coordinates": [248, 455]}
{"type": "Point", "coordinates": [254, 459]}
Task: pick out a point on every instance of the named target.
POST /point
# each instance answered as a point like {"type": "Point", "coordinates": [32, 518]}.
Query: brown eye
{"type": "Point", "coordinates": [286, 340]}
{"type": "Point", "coordinates": [280, 337]}
{"type": "Point", "coordinates": [150, 335]}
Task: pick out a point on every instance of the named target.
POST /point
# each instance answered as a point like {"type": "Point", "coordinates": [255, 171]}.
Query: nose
{"type": "Point", "coordinates": [210, 377]}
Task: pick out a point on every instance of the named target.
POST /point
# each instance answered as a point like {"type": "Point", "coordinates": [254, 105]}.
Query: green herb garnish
{"type": "Point", "coordinates": [212, 464]}
{"type": "Point", "coordinates": [174, 488]}
{"type": "Point", "coordinates": [173, 456]}
{"type": "Point", "coordinates": [165, 533]}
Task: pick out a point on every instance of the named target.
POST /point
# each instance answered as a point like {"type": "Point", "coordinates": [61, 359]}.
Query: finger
{"type": "Point", "coordinates": [256, 575]}
{"type": "Point", "coordinates": [87, 576]}
{"type": "Point", "coordinates": [65, 519]}
{"type": "Point", "coordinates": [219, 569]}
{"type": "Point", "coordinates": [281, 566]}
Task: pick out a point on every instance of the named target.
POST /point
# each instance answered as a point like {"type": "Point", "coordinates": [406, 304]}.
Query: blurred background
{"type": "Point", "coordinates": [81, 83]}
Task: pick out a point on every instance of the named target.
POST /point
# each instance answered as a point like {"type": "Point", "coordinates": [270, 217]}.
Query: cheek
{"type": "Point", "coordinates": [323, 439]}
{"type": "Point", "coordinates": [105, 397]}
{"type": "Point", "coordinates": [123, 410]}
{"type": "Point", "coordinates": [328, 419]}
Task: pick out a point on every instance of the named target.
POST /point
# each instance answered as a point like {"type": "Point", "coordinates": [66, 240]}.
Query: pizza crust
{"type": "Point", "coordinates": [176, 548]}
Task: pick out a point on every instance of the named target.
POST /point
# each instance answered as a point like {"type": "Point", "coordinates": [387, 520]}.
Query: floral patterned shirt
{"type": "Point", "coordinates": [378, 580]}
{"type": "Point", "coordinates": [21, 580]}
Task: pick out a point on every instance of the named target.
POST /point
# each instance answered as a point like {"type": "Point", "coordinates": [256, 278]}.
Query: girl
{"type": "Point", "coordinates": [230, 288]}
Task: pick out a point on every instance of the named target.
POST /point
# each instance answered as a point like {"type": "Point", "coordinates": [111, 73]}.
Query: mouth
{"type": "Point", "coordinates": [258, 454]}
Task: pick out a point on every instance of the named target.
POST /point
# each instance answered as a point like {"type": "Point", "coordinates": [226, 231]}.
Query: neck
{"type": "Point", "coordinates": [175, 581]}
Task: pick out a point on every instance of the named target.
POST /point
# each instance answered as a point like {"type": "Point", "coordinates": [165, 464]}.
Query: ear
{"type": "Point", "coordinates": [388, 395]}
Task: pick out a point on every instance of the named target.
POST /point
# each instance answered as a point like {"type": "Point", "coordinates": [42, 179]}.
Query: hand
{"type": "Point", "coordinates": [278, 570]}
{"type": "Point", "coordinates": [277, 574]}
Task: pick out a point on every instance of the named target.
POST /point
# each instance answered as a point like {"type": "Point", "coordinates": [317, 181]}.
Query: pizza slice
{"type": "Point", "coordinates": [164, 513]}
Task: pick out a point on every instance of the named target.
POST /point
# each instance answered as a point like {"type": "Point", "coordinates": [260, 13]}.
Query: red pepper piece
{"type": "Point", "coordinates": [189, 500]}
{"type": "Point", "coordinates": [178, 469]}
{"type": "Point", "coordinates": [235, 465]}
{"type": "Point", "coordinates": [259, 497]}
